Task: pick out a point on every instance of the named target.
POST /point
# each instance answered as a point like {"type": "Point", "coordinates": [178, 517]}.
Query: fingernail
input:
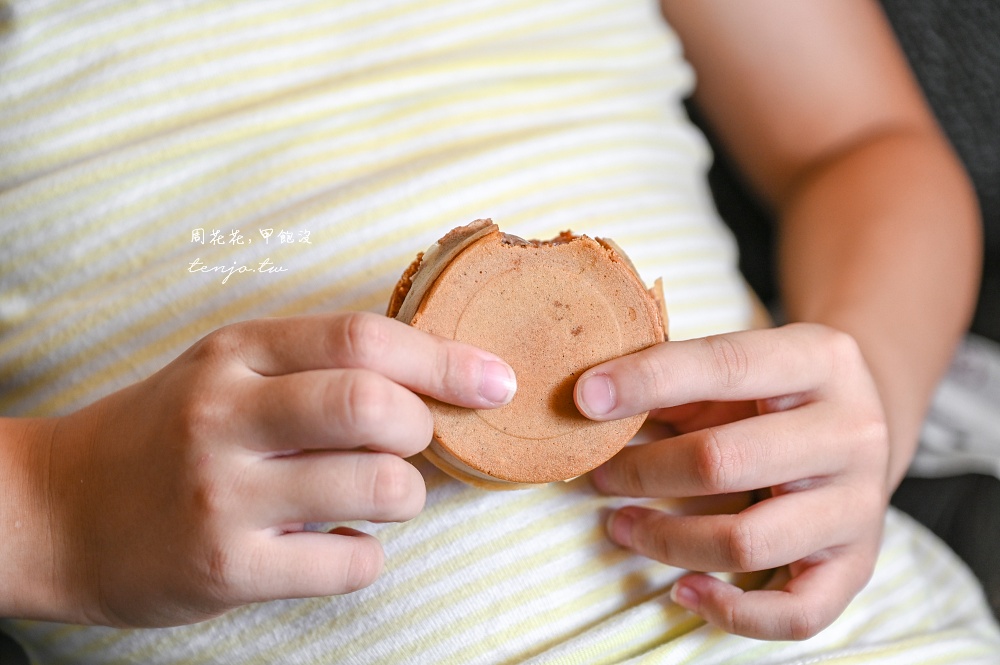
{"type": "Point", "coordinates": [620, 527]}
{"type": "Point", "coordinates": [499, 383]}
{"type": "Point", "coordinates": [685, 596]}
{"type": "Point", "coordinates": [597, 395]}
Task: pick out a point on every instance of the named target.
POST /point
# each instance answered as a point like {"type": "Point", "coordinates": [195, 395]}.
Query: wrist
{"type": "Point", "coordinates": [28, 564]}
{"type": "Point", "coordinates": [884, 243]}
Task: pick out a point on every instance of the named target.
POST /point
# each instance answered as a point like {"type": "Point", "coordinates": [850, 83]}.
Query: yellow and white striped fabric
{"type": "Point", "coordinates": [170, 166]}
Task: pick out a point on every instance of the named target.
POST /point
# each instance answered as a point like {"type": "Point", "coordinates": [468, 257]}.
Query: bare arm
{"type": "Point", "coordinates": [879, 229]}
{"type": "Point", "coordinates": [27, 587]}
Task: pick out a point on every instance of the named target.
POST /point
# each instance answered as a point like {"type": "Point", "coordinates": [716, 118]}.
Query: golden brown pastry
{"type": "Point", "coordinates": [551, 309]}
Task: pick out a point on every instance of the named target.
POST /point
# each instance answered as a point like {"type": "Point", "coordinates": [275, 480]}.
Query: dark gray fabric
{"type": "Point", "coordinates": [964, 511]}
{"type": "Point", "coordinates": [10, 652]}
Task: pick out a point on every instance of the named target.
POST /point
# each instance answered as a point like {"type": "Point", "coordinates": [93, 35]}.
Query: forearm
{"type": "Point", "coordinates": [27, 587]}
{"type": "Point", "coordinates": [883, 242]}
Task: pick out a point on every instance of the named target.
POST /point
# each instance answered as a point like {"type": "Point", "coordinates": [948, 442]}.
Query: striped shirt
{"type": "Point", "coordinates": [170, 166]}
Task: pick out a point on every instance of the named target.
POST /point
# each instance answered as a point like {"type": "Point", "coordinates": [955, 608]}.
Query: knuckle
{"type": "Point", "coordinates": [628, 475]}
{"type": "Point", "coordinates": [214, 495]}
{"type": "Point", "coordinates": [363, 339]}
{"type": "Point", "coordinates": [869, 427]}
{"type": "Point", "coordinates": [842, 351]}
{"type": "Point", "coordinates": [866, 435]}
{"type": "Point", "coordinates": [202, 417]}
{"type": "Point", "coordinates": [747, 550]}
{"type": "Point", "coordinates": [875, 433]}
{"type": "Point", "coordinates": [222, 569]}
{"type": "Point", "coordinates": [873, 441]}
{"type": "Point", "coordinates": [732, 621]}
{"type": "Point", "coordinates": [365, 397]}
{"type": "Point", "coordinates": [842, 345]}
{"type": "Point", "coordinates": [653, 541]}
{"type": "Point", "coordinates": [740, 620]}
{"type": "Point", "coordinates": [658, 547]}
{"type": "Point", "coordinates": [803, 625]}
{"type": "Point", "coordinates": [730, 360]}
{"type": "Point", "coordinates": [253, 568]}
{"type": "Point", "coordinates": [219, 344]}
{"type": "Point", "coordinates": [362, 566]}
{"type": "Point", "coordinates": [656, 378]}
{"type": "Point", "coordinates": [716, 463]}
{"type": "Point", "coordinates": [394, 491]}
{"type": "Point", "coordinates": [457, 371]}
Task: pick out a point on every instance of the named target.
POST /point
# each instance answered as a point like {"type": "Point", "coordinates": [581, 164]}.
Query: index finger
{"type": "Point", "coordinates": [749, 365]}
{"type": "Point", "coordinates": [446, 370]}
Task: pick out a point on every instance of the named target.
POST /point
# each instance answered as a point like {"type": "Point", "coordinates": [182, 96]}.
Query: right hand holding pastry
{"type": "Point", "coordinates": [791, 416]}
{"type": "Point", "coordinates": [184, 495]}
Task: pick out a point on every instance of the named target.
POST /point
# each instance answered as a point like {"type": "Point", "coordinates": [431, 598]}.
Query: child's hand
{"type": "Point", "coordinates": [813, 435]}
{"type": "Point", "coordinates": [183, 496]}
